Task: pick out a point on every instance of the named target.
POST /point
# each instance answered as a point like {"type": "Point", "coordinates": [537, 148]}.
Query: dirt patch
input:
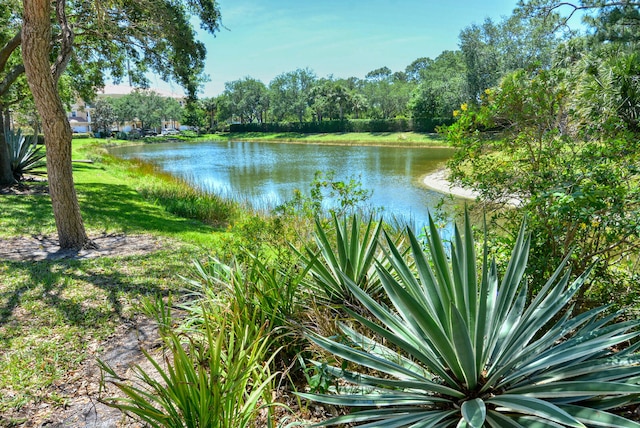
{"type": "Point", "coordinates": [35, 248]}
{"type": "Point", "coordinates": [32, 185]}
{"type": "Point", "coordinates": [122, 351]}
{"type": "Point", "coordinates": [82, 386]}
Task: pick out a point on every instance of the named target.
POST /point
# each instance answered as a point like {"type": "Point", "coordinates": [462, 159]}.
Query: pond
{"type": "Point", "coordinates": [266, 174]}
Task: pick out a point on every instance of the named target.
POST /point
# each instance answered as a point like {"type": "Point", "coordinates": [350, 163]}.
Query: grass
{"type": "Point", "coordinates": [391, 139]}
{"type": "Point", "coordinates": [55, 314]}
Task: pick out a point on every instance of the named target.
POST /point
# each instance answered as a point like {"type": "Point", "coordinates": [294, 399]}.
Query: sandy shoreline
{"type": "Point", "coordinates": [438, 181]}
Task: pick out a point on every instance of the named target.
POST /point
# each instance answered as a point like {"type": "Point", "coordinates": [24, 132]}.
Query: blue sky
{"type": "Point", "coordinates": [264, 38]}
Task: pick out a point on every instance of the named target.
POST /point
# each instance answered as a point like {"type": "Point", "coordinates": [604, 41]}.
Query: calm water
{"type": "Point", "coordinates": [266, 174]}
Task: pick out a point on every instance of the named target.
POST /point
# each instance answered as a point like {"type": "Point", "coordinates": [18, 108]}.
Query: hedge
{"type": "Point", "coordinates": [337, 126]}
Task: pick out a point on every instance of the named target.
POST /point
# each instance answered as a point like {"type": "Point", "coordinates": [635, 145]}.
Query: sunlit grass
{"type": "Point", "coordinates": [55, 314]}
{"type": "Point", "coordinates": [391, 139]}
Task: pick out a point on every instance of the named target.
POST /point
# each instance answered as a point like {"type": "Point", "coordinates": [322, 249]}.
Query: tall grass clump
{"type": "Point", "coordinates": [214, 374]}
{"type": "Point", "coordinates": [180, 197]}
{"type": "Point", "coordinates": [458, 347]}
{"type": "Point", "coordinates": [262, 294]}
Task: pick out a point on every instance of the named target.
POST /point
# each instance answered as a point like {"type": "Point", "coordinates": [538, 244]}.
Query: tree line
{"type": "Point", "coordinates": [426, 89]}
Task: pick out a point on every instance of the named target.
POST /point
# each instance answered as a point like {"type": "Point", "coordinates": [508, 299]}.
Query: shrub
{"type": "Point", "coordinates": [338, 126]}
{"type": "Point", "coordinates": [216, 377]}
{"type": "Point", "coordinates": [25, 154]}
{"type": "Point", "coordinates": [459, 351]}
{"type": "Point", "coordinates": [347, 254]}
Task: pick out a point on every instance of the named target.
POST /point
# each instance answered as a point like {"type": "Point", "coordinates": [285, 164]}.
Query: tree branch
{"type": "Point", "coordinates": [10, 78]}
{"type": "Point", "coordinates": [8, 49]}
{"type": "Point", "coordinates": [66, 47]}
{"type": "Point", "coordinates": [576, 7]}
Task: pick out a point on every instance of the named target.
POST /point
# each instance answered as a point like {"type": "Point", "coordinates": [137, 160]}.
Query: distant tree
{"type": "Point", "coordinates": [224, 109]}
{"type": "Point", "coordinates": [358, 104]}
{"type": "Point", "coordinates": [492, 50]}
{"type": "Point", "coordinates": [443, 87]}
{"type": "Point", "coordinates": [248, 98]}
{"type": "Point", "coordinates": [103, 117]}
{"type": "Point", "coordinates": [379, 74]}
{"type": "Point", "coordinates": [172, 111]}
{"type": "Point", "coordinates": [123, 110]}
{"type": "Point", "coordinates": [289, 93]}
{"type": "Point", "coordinates": [386, 97]}
{"type": "Point", "coordinates": [146, 108]}
{"type": "Point", "coordinates": [194, 115]}
{"type": "Point", "coordinates": [331, 99]}
{"type": "Point", "coordinates": [210, 106]}
{"type": "Point", "coordinates": [416, 68]}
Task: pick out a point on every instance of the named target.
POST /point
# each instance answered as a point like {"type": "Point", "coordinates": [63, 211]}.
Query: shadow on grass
{"type": "Point", "coordinates": [83, 293]}
{"type": "Point", "coordinates": [110, 206]}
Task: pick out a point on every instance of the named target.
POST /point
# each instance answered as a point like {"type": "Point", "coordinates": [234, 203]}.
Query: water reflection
{"type": "Point", "coordinates": [268, 173]}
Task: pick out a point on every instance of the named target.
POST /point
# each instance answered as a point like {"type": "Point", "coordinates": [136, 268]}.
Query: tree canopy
{"type": "Point", "coordinates": [92, 40]}
{"type": "Point", "coordinates": [563, 140]}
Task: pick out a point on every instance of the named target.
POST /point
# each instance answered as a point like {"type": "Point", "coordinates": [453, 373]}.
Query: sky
{"type": "Point", "coordinates": [343, 38]}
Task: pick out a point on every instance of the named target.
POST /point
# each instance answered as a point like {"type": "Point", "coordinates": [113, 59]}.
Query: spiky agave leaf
{"type": "Point", "coordinates": [25, 154]}
{"type": "Point", "coordinates": [348, 251]}
{"type": "Point", "coordinates": [464, 351]}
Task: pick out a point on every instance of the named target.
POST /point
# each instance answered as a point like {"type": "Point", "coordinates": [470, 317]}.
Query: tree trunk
{"type": "Point", "coordinates": [36, 38]}
{"type": "Point", "coordinates": [6, 176]}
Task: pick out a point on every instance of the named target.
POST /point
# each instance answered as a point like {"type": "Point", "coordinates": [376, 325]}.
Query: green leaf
{"type": "Point", "coordinates": [575, 389]}
{"type": "Point", "coordinates": [463, 347]}
{"type": "Point", "coordinates": [498, 420]}
{"type": "Point", "coordinates": [598, 418]}
{"type": "Point", "coordinates": [397, 417]}
{"type": "Point", "coordinates": [535, 407]}
{"type": "Point", "coordinates": [370, 399]}
{"type": "Point", "coordinates": [474, 412]}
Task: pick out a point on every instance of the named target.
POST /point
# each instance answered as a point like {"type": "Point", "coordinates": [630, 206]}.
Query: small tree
{"type": "Point", "coordinates": [103, 117]}
{"type": "Point", "coordinates": [194, 115]}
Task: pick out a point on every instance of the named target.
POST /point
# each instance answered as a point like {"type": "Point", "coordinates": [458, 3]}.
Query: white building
{"type": "Point", "coordinates": [80, 114]}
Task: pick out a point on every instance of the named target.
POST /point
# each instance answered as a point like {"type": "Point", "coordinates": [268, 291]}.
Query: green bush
{"type": "Point", "coordinates": [340, 126]}
{"type": "Point", "coordinates": [82, 135]}
{"type": "Point", "coordinates": [25, 155]}
{"type": "Point", "coordinates": [458, 349]}
{"type": "Point", "coordinates": [213, 379]}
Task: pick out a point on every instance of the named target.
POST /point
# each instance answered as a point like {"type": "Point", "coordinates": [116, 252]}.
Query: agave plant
{"type": "Point", "coordinates": [24, 153]}
{"type": "Point", "coordinates": [351, 256]}
{"type": "Point", "coordinates": [463, 349]}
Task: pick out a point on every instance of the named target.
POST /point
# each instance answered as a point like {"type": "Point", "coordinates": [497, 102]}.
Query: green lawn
{"type": "Point", "coordinates": [399, 139]}
{"type": "Point", "coordinates": [55, 314]}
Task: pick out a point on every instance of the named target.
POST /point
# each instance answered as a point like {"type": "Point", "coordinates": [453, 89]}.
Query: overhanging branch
{"type": "Point", "coordinates": [8, 49]}
{"type": "Point", "coordinates": [10, 78]}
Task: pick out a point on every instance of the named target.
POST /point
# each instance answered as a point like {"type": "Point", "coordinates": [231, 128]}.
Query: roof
{"type": "Point", "coordinates": [120, 90]}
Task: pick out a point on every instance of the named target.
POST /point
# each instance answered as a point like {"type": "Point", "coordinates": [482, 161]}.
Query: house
{"type": "Point", "coordinates": [80, 112]}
